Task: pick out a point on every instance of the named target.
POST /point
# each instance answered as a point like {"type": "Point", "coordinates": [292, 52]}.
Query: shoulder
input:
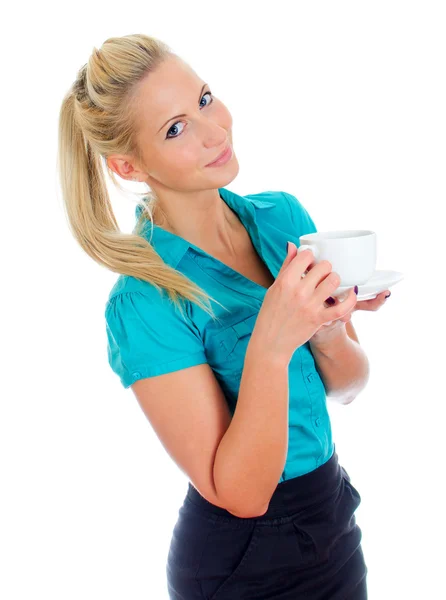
{"type": "Point", "coordinates": [129, 295]}
{"type": "Point", "coordinates": [280, 200]}
{"type": "Point", "coordinates": [125, 284]}
{"type": "Point", "coordinates": [267, 199]}
{"type": "Point", "coordinates": [146, 334]}
{"type": "Point", "coordinates": [284, 205]}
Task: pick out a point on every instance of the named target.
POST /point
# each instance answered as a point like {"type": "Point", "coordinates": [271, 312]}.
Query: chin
{"type": "Point", "coordinates": [225, 178]}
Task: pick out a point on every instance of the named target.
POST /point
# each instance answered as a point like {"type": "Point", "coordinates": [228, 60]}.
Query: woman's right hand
{"type": "Point", "coordinates": [293, 308]}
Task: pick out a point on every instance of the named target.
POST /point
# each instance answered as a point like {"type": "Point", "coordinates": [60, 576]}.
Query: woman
{"type": "Point", "coordinates": [234, 388]}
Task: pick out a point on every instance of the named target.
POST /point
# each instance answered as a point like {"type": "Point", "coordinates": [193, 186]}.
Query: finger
{"type": "Point", "coordinates": [291, 253]}
{"type": "Point", "coordinates": [340, 309]}
{"type": "Point", "coordinates": [325, 282]}
{"type": "Point", "coordinates": [373, 303]}
{"type": "Point", "coordinates": [296, 262]}
{"type": "Point", "coordinates": [346, 318]}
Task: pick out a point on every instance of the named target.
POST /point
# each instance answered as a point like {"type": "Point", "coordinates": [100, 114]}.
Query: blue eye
{"type": "Point", "coordinates": [175, 124]}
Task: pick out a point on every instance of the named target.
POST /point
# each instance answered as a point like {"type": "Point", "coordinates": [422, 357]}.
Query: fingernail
{"type": "Point", "coordinates": [356, 290]}
{"type": "Point", "coordinates": [388, 295]}
{"type": "Point", "coordinates": [330, 300]}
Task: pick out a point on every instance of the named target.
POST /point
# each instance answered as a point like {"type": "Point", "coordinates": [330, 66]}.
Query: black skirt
{"type": "Point", "coordinates": [306, 546]}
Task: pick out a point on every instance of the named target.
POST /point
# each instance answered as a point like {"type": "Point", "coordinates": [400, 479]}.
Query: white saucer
{"type": "Point", "coordinates": [378, 282]}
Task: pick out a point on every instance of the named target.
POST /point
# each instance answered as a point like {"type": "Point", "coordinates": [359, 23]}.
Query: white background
{"type": "Point", "coordinates": [341, 104]}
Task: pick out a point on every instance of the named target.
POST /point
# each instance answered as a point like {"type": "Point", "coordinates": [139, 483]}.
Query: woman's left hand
{"type": "Point", "coordinates": [325, 330]}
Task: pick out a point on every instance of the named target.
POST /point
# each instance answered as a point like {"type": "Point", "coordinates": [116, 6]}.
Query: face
{"type": "Point", "coordinates": [177, 149]}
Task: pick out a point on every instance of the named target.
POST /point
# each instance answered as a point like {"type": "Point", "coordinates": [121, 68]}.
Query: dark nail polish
{"type": "Point", "coordinates": [356, 290]}
{"type": "Point", "coordinates": [388, 295]}
{"type": "Point", "coordinates": [330, 301]}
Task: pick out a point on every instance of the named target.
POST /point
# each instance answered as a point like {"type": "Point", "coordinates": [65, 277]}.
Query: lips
{"type": "Point", "coordinates": [219, 156]}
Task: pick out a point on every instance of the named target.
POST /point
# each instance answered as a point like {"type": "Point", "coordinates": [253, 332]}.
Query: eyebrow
{"type": "Point", "coordinates": [177, 116]}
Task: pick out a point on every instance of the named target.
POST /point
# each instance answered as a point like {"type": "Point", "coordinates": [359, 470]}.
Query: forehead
{"type": "Point", "coordinates": [167, 91]}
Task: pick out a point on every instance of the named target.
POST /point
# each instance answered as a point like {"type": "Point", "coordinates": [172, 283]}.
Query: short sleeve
{"type": "Point", "coordinates": [300, 217]}
{"type": "Point", "coordinates": [147, 337]}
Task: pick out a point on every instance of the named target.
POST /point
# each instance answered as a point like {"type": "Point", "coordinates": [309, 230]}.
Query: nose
{"type": "Point", "coordinates": [218, 140]}
{"type": "Point", "coordinates": [215, 135]}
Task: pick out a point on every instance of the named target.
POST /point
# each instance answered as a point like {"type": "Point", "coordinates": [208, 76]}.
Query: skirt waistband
{"type": "Point", "coordinates": [291, 495]}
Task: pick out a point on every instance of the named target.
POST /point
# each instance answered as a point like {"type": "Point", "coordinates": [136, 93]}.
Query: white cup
{"type": "Point", "coordinates": [351, 252]}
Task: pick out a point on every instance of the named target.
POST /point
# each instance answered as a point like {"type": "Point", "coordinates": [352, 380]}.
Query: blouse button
{"type": "Point", "coordinates": [136, 374]}
{"type": "Point", "coordinates": [310, 377]}
{"type": "Point", "coordinates": [317, 422]}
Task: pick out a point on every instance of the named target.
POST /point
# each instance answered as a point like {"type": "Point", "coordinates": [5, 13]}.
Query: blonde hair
{"type": "Point", "coordinates": [98, 118]}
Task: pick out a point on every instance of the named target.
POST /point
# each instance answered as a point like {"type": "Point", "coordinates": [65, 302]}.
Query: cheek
{"type": "Point", "coordinates": [192, 152]}
{"type": "Point", "coordinates": [177, 157]}
{"type": "Point", "coordinates": [186, 158]}
{"type": "Point", "coordinates": [176, 164]}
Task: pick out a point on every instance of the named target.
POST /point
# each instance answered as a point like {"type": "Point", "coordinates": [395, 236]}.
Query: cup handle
{"type": "Point", "coordinates": [313, 249]}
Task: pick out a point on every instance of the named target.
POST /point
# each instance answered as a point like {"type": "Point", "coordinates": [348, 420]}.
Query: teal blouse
{"type": "Point", "coordinates": [147, 336]}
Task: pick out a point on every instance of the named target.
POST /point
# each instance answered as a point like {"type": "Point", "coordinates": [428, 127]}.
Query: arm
{"type": "Point", "coordinates": [252, 453]}
{"type": "Point", "coordinates": [342, 364]}
{"type": "Point", "coordinates": [351, 331]}
{"type": "Point", "coordinates": [234, 461]}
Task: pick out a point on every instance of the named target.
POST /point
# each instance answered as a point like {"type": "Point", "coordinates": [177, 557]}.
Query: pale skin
{"type": "Point", "coordinates": [187, 190]}
{"type": "Point", "coordinates": [175, 168]}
